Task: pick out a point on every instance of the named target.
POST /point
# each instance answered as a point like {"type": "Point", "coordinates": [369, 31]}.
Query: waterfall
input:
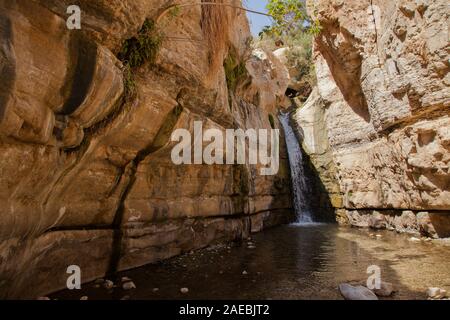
{"type": "Point", "coordinates": [298, 178]}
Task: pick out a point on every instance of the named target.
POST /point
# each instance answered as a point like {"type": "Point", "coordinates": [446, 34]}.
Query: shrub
{"type": "Point", "coordinates": [143, 47]}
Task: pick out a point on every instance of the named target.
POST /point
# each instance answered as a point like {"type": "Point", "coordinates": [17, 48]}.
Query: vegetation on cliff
{"type": "Point", "coordinates": [294, 30]}
{"type": "Point", "coordinates": [143, 47]}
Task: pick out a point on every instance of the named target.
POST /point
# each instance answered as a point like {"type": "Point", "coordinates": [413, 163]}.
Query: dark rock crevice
{"type": "Point", "coordinates": [82, 62]}
{"type": "Point", "coordinates": [129, 175]}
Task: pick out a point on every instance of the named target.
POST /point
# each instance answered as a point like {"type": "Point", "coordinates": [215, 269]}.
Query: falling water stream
{"type": "Point", "coordinates": [298, 178]}
{"type": "Point", "coordinates": [304, 260]}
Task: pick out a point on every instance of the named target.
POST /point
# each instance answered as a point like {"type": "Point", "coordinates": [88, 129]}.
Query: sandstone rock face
{"type": "Point", "coordinates": [311, 126]}
{"type": "Point", "coordinates": [384, 82]}
{"type": "Point", "coordinates": [86, 173]}
{"type": "Point", "coordinates": [299, 83]}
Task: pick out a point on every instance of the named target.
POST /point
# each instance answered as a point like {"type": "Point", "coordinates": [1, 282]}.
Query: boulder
{"type": "Point", "coordinates": [434, 225]}
{"type": "Point", "coordinates": [85, 142]}
{"type": "Point", "coordinates": [350, 292]}
{"type": "Point", "coordinates": [436, 293]}
{"type": "Point", "coordinates": [386, 289]}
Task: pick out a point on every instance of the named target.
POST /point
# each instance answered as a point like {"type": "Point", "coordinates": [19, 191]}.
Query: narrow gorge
{"type": "Point", "coordinates": [89, 117]}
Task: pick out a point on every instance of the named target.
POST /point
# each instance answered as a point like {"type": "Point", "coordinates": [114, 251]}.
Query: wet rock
{"type": "Point", "coordinates": [406, 223]}
{"type": "Point", "coordinates": [84, 298]}
{"type": "Point", "coordinates": [184, 290]}
{"type": "Point", "coordinates": [129, 285]}
{"type": "Point", "coordinates": [377, 221]}
{"type": "Point", "coordinates": [358, 219]}
{"type": "Point", "coordinates": [108, 284]}
{"type": "Point", "coordinates": [407, 167]}
{"type": "Point", "coordinates": [350, 292]}
{"type": "Point", "coordinates": [386, 289]}
{"type": "Point", "coordinates": [436, 293]}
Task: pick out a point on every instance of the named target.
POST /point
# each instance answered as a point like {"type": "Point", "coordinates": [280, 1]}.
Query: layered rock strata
{"type": "Point", "coordinates": [86, 171]}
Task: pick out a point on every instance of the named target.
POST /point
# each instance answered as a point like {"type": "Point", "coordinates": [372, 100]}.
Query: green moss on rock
{"type": "Point", "coordinates": [142, 48]}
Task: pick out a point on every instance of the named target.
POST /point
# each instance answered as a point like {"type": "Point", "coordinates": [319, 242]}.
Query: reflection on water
{"type": "Point", "coordinates": [289, 262]}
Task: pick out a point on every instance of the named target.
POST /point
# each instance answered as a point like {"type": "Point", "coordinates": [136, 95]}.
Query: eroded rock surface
{"type": "Point", "coordinates": [384, 106]}
{"type": "Point", "coordinates": [86, 173]}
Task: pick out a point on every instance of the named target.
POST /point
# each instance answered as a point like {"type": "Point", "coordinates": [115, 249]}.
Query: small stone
{"type": "Point", "coordinates": [350, 292]}
{"type": "Point", "coordinates": [184, 290]}
{"type": "Point", "coordinates": [129, 285]}
{"type": "Point", "coordinates": [155, 289]}
{"type": "Point", "coordinates": [125, 279]}
{"type": "Point", "coordinates": [378, 235]}
{"type": "Point", "coordinates": [414, 239]}
{"type": "Point", "coordinates": [436, 293]}
{"type": "Point", "coordinates": [43, 298]}
{"type": "Point", "coordinates": [125, 298]}
{"type": "Point", "coordinates": [84, 298]}
{"type": "Point", "coordinates": [251, 247]}
{"type": "Point", "coordinates": [108, 284]}
{"type": "Point", "coordinates": [99, 281]}
{"type": "Point", "coordinates": [244, 272]}
{"type": "Point", "coordinates": [386, 289]}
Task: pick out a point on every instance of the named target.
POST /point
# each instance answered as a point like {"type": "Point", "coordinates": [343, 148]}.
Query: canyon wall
{"type": "Point", "coordinates": [86, 172]}
{"type": "Point", "coordinates": [378, 126]}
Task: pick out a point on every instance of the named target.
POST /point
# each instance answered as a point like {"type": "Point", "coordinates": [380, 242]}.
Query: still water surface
{"type": "Point", "coordinates": [288, 262]}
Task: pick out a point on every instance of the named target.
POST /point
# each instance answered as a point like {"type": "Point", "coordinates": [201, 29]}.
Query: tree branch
{"type": "Point", "coordinates": [166, 10]}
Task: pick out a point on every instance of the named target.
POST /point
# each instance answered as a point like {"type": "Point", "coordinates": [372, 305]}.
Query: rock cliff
{"type": "Point", "coordinates": [377, 127]}
{"type": "Point", "coordinates": [86, 173]}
